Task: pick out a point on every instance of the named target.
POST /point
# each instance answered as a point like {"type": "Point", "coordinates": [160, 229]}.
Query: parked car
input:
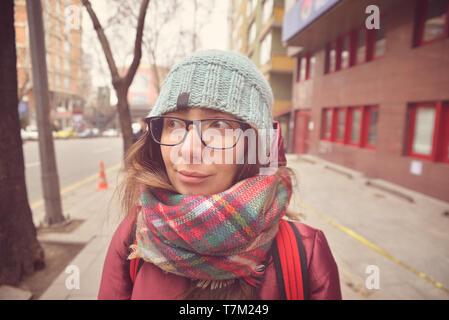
{"type": "Point", "coordinates": [95, 132]}
{"type": "Point", "coordinates": [30, 133]}
{"type": "Point", "coordinates": [86, 133]}
{"type": "Point", "coordinates": [110, 133]}
{"type": "Point", "coordinates": [66, 133]}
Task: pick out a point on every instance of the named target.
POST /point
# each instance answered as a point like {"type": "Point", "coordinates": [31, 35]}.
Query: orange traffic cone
{"type": "Point", "coordinates": [102, 185]}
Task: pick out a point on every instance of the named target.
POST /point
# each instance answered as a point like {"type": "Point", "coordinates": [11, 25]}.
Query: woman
{"type": "Point", "coordinates": [202, 212]}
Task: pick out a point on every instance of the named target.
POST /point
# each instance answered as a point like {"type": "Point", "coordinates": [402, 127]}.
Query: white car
{"type": "Point", "coordinates": [95, 132]}
{"type": "Point", "coordinates": [30, 133]}
{"type": "Point", "coordinates": [110, 133]}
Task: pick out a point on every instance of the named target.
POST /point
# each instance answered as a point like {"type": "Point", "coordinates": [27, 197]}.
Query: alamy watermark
{"type": "Point", "coordinates": [373, 279]}
{"type": "Point", "coordinates": [72, 282]}
{"type": "Point", "coordinates": [257, 147]}
{"type": "Point", "coordinates": [373, 20]}
{"type": "Point", "coordinates": [72, 16]}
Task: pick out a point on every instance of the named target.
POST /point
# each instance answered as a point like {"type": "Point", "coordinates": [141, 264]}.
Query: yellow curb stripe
{"type": "Point", "coordinates": [373, 246]}
{"type": "Point", "coordinates": [78, 184]}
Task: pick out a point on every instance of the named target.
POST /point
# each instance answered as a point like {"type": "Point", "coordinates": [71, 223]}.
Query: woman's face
{"type": "Point", "coordinates": [196, 169]}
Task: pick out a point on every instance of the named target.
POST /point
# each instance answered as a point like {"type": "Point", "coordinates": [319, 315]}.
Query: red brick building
{"type": "Point", "coordinates": [375, 100]}
{"type": "Point", "coordinates": [63, 33]}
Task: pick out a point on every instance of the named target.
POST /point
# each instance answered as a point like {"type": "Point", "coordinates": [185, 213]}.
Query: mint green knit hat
{"type": "Point", "coordinates": [222, 80]}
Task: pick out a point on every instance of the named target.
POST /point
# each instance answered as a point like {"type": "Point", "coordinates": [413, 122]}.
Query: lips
{"type": "Point", "coordinates": [191, 176]}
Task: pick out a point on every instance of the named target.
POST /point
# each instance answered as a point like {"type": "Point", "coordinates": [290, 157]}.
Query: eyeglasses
{"type": "Point", "coordinates": [215, 133]}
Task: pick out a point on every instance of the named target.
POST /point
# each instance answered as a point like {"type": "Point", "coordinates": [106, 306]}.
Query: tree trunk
{"type": "Point", "coordinates": [124, 115]}
{"type": "Point", "coordinates": [20, 252]}
{"type": "Point", "coordinates": [121, 84]}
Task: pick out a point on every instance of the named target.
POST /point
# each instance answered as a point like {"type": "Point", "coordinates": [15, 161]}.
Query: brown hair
{"type": "Point", "coordinates": [143, 165]}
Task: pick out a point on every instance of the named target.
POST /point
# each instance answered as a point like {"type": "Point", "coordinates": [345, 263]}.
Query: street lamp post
{"type": "Point", "coordinates": [49, 172]}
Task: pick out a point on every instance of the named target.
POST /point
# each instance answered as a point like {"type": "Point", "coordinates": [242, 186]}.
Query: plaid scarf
{"type": "Point", "coordinates": [216, 238]}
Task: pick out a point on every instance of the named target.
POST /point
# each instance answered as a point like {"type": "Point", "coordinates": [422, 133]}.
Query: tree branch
{"type": "Point", "coordinates": [103, 41]}
{"type": "Point", "coordinates": [138, 44]}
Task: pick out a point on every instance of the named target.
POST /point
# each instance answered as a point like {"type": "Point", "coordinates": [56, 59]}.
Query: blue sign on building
{"type": "Point", "coordinates": [302, 14]}
{"type": "Point", "coordinates": [23, 107]}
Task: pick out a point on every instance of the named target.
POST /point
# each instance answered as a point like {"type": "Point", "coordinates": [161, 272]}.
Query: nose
{"type": "Point", "coordinates": [191, 148]}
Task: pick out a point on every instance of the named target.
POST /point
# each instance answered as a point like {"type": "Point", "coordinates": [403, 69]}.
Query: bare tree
{"type": "Point", "coordinates": [179, 37]}
{"type": "Point", "coordinates": [121, 83]}
{"type": "Point", "coordinates": [20, 251]}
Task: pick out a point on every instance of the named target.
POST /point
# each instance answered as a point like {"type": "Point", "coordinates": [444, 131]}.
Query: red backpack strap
{"type": "Point", "coordinates": [136, 263]}
{"type": "Point", "coordinates": [290, 263]}
{"type": "Point", "coordinates": [134, 267]}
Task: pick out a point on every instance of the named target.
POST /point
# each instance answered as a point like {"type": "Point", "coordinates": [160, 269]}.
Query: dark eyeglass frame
{"type": "Point", "coordinates": [197, 123]}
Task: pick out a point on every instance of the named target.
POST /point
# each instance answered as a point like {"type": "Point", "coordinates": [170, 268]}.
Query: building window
{"type": "Point", "coordinates": [380, 41]}
{"type": "Point", "coordinates": [66, 65]}
{"type": "Point", "coordinates": [432, 20]}
{"type": "Point", "coordinates": [267, 11]}
{"type": "Point", "coordinates": [429, 131]}
{"type": "Point", "coordinates": [357, 46]}
{"type": "Point", "coordinates": [355, 125]}
{"type": "Point", "coordinates": [67, 83]}
{"type": "Point", "coordinates": [312, 63]}
{"type": "Point", "coordinates": [331, 57]}
{"type": "Point", "coordinates": [361, 46]}
{"type": "Point", "coordinates": [250, 6]}
{"type": "Point", "coordinates": [58, 63]}
{"type": "Point", "coordinates": [66, 47]}
{"type": "Point", "coordinates": [369, 127]}
{"type": "Point", "coordinates": [327, 124]}
{"type": "Point", "coordinates": [424, 125]}
{"type": "Point", "coordinates": [58, 8]}
{"type": "Point", "coordinates": [57, 81]}
{"type": "Point", "coordinates": [254, 4]}
{"type": "Point", "coordinates": [345, 52]}
{"type": "Point", "coordinates": [265, 50]}
{"type": "Point", "coordinates": [340, 124]}
{"type": "Point", "coordinates": [302, 68]}
{"type": "Point", "coordinates": [305, 67]}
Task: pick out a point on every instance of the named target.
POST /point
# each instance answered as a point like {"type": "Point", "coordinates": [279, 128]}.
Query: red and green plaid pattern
{"type": "Point", "coordinates": [217, 237]}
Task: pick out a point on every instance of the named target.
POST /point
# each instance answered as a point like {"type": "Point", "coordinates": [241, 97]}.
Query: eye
{"type": "Point", "coordinates": [221, 124]}
{"type": "Point", "coordinates": [173, 124]}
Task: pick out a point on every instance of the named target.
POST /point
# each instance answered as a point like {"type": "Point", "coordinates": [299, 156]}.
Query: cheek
{"type": "Point", "coordinates": [225, 175]}
{"type": "Point", "coordinates": [165, 152]}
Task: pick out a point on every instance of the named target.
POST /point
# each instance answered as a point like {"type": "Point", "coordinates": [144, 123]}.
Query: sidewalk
{"type": "Point", "coordinates": [416, 233]}
{"type": "Point", "coordinates": [101, 217]}
{"type": "Point", "coordinates": [370, 222]}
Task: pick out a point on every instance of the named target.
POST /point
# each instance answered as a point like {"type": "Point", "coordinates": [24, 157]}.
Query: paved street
{"type": "Point", "coordinates": [365, 226]}
{"type": "Point", "coordinates": [77, 159]}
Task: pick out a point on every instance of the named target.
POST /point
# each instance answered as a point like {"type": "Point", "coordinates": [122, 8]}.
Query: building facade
{"type": "Point", "coordinates": [63, 31]}
{"type": "Point", "coordinates": [373, 97]}
{"type": "Point", "coordinates": [143, 92]}
{"type": "Point", "coordinates": [256, 28]}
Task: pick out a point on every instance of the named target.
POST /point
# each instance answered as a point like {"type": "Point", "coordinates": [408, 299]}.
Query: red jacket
{"type": "Point", "coordinates": [154, 284]}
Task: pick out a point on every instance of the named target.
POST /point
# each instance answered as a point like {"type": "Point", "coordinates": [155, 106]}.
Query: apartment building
{"type": "Point", "coordinates": [256, 28]}
{"type": "Point", "coordinates": [375, 99]}
{"type": "Point", "coordinates": [63, 32]}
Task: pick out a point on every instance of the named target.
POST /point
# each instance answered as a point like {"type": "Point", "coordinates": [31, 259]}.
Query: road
{"type": "Point", "coordinates": [76, 159]}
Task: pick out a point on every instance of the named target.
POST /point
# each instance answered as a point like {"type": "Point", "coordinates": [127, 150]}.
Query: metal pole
{"type": "Point", "coordinates": [49, 172]}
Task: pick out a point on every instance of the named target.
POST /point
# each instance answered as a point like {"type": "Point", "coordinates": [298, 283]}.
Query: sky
{"type": "Point", "coordinates": [214, 35]}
